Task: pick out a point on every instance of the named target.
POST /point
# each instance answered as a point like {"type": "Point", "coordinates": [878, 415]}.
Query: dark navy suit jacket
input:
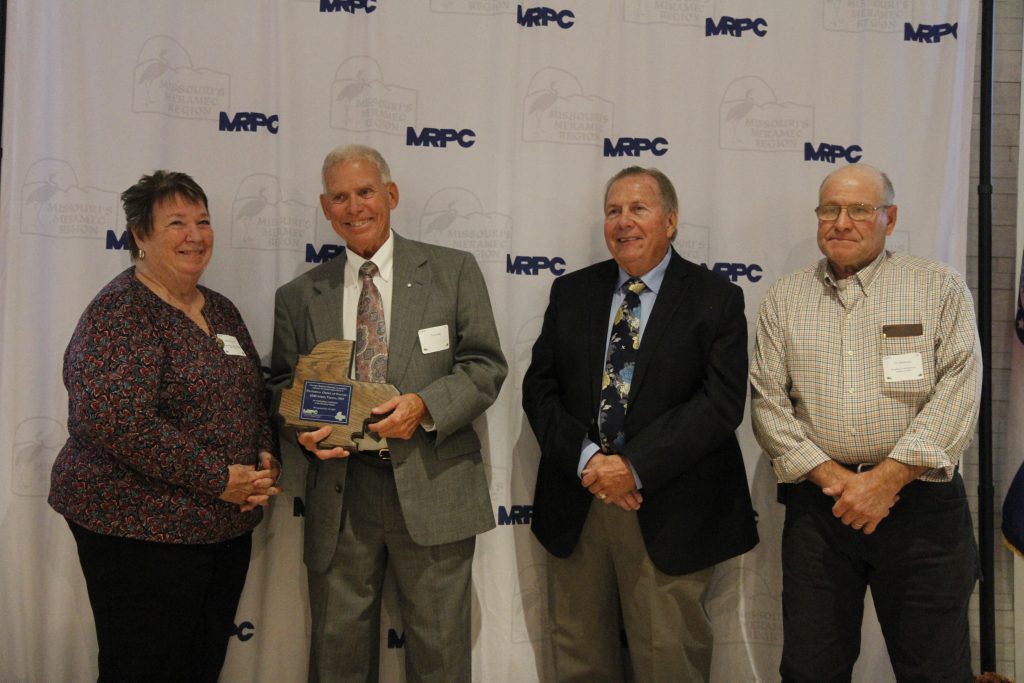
{"type": "Point", "coordinates": [686, 400]}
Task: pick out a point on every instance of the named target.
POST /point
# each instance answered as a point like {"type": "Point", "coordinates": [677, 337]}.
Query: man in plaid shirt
{"type": "Point", "coordinates": [865, 382]}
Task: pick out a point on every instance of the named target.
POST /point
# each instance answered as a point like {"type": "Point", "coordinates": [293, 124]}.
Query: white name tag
{"type": "Point", "coordinates": [902, 367]}
{"type": "Point", "coordinates": [230, 345]}
{"type": "Point", "coordinates": [433, 339]}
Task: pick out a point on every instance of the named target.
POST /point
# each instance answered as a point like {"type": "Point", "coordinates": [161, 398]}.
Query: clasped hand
{"type": "Point", "coordinates": [248, 487]}
{"type": "Point", "coordinates": [862, 500]}
{"type": "Point", "coordinates": [610, 478]}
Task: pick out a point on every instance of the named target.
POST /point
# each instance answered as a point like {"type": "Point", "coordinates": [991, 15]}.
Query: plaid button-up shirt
{"type": "Point", "coordinates": [818, 390]}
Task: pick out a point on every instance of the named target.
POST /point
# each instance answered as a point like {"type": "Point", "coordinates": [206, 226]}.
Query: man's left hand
{"type": "Point", "coordinates": [407, 412]}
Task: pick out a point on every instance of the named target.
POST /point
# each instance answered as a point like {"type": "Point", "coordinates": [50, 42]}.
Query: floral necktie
{"type": "Point", "coordinates": [618, 368]}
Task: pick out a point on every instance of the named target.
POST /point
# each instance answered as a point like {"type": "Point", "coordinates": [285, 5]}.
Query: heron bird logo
{"type": "Point", "coordinates": [541, 103]}
{"type": "Point", "coordinates": [443, 219]}
{"type": "Point", "coordinates": [41, 195]}
{"type": "Point", "coordinates": [252, 206]}
{"type": "Point", "coordinates": [153, 72]}
{"type": "Point", "coordinates": [738, 112]}
{"type": "Point", "coordinates": [348, 94]}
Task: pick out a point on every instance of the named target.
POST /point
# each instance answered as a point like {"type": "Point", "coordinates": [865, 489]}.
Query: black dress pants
{"type": "Point", "coordinates": [921, 565]}
{"type": "Point", "coordinates": [164, 612]}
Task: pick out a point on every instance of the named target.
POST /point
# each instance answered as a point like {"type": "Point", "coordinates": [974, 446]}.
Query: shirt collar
{"type": "Point", "coordinates": [652, 278]}
{"type": "Point", "coordinates": [865, 276]}
{"type": "Point", "coordinates": [383, 258]}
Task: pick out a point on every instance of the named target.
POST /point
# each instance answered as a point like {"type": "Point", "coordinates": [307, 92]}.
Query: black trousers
{"type": "Point", "coordinates": [163, 611]}
{"type": "Point", "coordinates": [921, 565]}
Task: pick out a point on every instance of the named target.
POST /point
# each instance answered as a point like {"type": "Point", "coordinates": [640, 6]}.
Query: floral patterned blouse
{"type": "Point", "coordinates": [157, 410]}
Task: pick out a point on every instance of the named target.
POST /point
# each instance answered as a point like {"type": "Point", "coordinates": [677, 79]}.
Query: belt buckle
{"type": "Point", "coordinates": [384, 454]}
{"type": "Point", "coordinates": [864, 466]}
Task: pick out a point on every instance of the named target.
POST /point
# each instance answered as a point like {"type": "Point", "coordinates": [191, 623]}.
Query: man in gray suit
{"type": "Point", "coordinates": [417, 502]}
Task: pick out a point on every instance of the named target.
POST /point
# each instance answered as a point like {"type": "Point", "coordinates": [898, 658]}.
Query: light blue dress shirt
{"type": "Point", "coordinates": [652, 279]}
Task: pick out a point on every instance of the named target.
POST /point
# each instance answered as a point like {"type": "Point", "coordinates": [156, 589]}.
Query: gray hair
{"type": "Point", "coordinates": [345, 153]}
{"type": "Point", "coordinates": [888, 193]}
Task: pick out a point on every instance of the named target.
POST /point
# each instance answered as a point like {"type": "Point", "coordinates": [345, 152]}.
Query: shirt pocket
{"type": "Point", "coordinates": [910, 391]}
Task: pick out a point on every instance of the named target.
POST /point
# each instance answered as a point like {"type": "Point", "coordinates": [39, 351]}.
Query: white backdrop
{"type": "Point", "coordinates": [1015, 420]}
{"type": "Point", "coordinates": [101, 91]}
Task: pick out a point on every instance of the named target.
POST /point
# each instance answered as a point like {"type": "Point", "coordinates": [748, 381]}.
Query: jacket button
{"type": "Point", "coordinates": [337, 488]}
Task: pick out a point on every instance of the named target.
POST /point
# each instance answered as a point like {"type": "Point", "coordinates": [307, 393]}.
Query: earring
{"type": "Point", "coordinates": [142, 254]}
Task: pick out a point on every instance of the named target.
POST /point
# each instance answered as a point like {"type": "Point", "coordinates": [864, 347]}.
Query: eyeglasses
{"type": "Point", "coordinates": [856, 212]}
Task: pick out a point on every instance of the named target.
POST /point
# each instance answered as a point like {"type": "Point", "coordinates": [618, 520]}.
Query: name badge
{"type": "Point", "coordinates": [902, 367]}
{"type": "Point", "coordinates": [433, 339]}
{"type": "Point", "coordinates": [230, 345]}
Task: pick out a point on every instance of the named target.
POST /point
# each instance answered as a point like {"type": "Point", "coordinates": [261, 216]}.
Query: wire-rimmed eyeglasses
{"type": "Point", "coordinates": [856, 212]}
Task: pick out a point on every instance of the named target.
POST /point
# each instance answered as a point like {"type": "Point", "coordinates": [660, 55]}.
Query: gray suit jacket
{"type": "Point", "coordinates": [439, 475]}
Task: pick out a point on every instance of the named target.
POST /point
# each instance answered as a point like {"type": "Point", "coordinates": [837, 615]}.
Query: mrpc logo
{"type": "Point", "coordinates": [350, 6]}
{"type": "Point", "coordinates": [734, 272]}
{"type": "Point", "coordinates": [533, 265]}
{"type": "Point", "coordinates": [530, 17]}
{"type": "Point", "coordinates": [249, 122]}
{"type": "Point", "coordinates": [928, 33]}
{"type": "Point", "coordinates": [735, 26]}
{"type": "Point", "coordinates": [117, 242]}
{"type": "Point", "coordinates": [830, 153]}
{"type": "Point", "coordinates": [634, 147]}
{"type": "Point", "coordinates": [515, 514]}
{"type": "Point", "coordinates": [325, 253]}
{"type": "Point", "coordinates": [396, 639]}
{"type": "Point", "coordinates": [244, 631]}
{"type": "Point", "coordinates": [439, 137]}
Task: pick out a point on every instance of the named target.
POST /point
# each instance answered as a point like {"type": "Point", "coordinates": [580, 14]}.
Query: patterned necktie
{"type": "Point", "coordinates": [371, 330]}
{"type": "Point", "coordinates": [618, 368]}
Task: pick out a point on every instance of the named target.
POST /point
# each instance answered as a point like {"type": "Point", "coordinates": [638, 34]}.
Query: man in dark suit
{"type": "Point", "coordinates": [637, 383]}
{"type": "Point", "coordinates": [416, 502]}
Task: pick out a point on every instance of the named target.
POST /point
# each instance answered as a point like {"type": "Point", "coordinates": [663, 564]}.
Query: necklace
{"type": "Point", "coordinates": [164, 293]}
{"type": "Point", "coordinates": [220, 342]}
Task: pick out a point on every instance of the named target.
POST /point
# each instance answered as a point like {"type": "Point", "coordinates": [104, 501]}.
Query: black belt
{"type": "Point", "coordinates": [865, 466]}
{"type": "Point", "coordinates": [857, 467]}
{"type": "Point", "coordinates": [377, 458]}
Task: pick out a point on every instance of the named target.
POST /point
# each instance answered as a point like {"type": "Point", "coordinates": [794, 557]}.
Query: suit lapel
{"type": "Point", "coordinates": [326, 304]}
{"type": "Point", "coordinates": [597, 310]}
{"type": "Point", "coordinates": [409, 291]}
{"type": "Point", "coordinates": [670, 298]}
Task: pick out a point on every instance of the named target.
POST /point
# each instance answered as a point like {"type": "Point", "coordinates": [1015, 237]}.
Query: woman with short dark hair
{"type": "Point", "coordinates": [169, 459]}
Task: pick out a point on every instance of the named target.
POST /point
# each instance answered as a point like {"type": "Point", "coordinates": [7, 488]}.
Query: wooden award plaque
{"type": "Point", "coordinates": [323, 394]}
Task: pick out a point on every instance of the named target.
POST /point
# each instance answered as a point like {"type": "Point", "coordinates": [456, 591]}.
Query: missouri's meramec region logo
{"type": "Point", "coordinates": [166, 82]}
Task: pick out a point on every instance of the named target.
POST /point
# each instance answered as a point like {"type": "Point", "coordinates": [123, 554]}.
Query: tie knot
{"type": "Point", "coordinates": [368, 270]}
{"type": "Point", "coordinates": [635, 285]}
